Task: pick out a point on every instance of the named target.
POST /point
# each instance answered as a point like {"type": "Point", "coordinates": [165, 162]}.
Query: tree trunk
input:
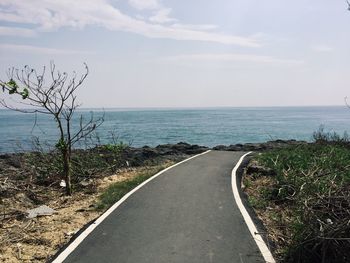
{"type": "Point", "coordinates": [67, 170]}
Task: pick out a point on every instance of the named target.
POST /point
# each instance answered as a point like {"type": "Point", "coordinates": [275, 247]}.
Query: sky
{"type": "Point", "coordinates": [198, 53]}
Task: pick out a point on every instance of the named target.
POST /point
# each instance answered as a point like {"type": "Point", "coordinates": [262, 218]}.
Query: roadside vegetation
{"type": "Point", "coordinates": [116, 191]}
{"type": "Point", "coordinates": [100, 176]}
{"type": "Point", "coordinates": [302, 195]}
{"type": "Point", "coordinates": [86, 164]}
{"type": "Point", "coordinates": [53, 93]}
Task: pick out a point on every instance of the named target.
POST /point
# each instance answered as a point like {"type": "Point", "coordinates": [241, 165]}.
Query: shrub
{"type": "Point", "coordinates": [312, 182]}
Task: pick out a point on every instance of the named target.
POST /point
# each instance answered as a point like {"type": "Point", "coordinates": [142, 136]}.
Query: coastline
{"type": "Point", "coordinates": [187, 148]}
{"type": "Point", "coordinates": [208, 127]}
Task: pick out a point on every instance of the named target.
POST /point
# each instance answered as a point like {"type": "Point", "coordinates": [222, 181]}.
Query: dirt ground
{"type": "Point", "coordinates": [274, 217]}
{"type": "Point", "coordinates": [38, 239]}
{"type": "Point", "coordinates": [31, 179]}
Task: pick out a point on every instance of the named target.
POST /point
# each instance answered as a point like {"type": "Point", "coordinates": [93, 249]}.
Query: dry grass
{"type": "Point", "coordinates": [304, 201]}
{"type": "Point", "coordinates": [274, 217]}
{"type": "Point", "coordinates": [36, 240]}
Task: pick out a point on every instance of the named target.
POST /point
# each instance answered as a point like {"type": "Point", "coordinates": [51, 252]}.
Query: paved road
{"type": "Point", "coordinates": [188, 214]}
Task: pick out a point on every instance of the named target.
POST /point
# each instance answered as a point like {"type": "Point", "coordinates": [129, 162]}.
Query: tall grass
{"type": "Point", "coordinates": [310, 193]}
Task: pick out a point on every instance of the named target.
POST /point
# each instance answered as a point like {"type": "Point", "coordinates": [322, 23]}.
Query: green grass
{"type": "Point", "coordinates": [304, 169]}
{"type": "Point", "coordinates": [116, 191]}
{"type": "Point", "coordinates": [257, 202]}
{"type": "Point", "coordinates": [312, 183]}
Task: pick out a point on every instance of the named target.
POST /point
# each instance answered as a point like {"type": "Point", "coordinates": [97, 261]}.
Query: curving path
{"type": "Point", "coordinates": [187, 214]}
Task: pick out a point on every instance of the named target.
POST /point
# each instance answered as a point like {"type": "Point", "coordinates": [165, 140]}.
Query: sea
{"type": "Point", "coordinates": [21, 132]}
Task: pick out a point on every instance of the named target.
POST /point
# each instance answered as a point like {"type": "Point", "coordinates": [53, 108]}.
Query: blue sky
{"type": "Point", "coordinates": [198, 53]}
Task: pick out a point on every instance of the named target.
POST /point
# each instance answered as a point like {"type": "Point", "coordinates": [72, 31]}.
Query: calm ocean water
{"type": "Point", "coordinates": [208, 127]}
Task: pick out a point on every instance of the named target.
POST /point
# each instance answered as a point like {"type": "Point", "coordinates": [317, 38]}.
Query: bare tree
{"type": "Point", "coordinates": [29, 92]}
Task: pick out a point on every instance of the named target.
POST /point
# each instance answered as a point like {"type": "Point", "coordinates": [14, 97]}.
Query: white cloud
{"type": "Point", "coordinates": [162, 16]}
{"type": "Point", "coordinates": [144, 4]}
{"type": "Point", "coordinates": [206, 27]}
{"type": "Point", "coordinates": [140, 17]}
{"type": "Point", "coordinates": [16, 31]}
{"type": "Point", "coordinates": [322, 48]}
{"type": "Point", "coordinates": [50, 15]}
{"type": "Point", "coordinates": [160, 13]}
{"type": "Point", "coordinates": [231, 57]}
{"type": "Point", "coordinates": [39, 50]}
{"type": "Point", "coordinates": [259, 35]}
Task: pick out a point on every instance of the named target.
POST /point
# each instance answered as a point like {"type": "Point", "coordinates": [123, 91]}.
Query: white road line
{"type": "Point", "coordinates": [266, 253]}
{"type": "Point", "coordinates": [65, 253]}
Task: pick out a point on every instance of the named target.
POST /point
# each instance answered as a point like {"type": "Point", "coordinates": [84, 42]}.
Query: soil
{"type": "Point", "coordinates": [29, 180]}
{"type": "Point", "coordinates": [38, 239]}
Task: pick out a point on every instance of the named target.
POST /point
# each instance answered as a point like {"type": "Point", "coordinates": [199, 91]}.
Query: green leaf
{"type": "Point", "coordinates": [25, 93]}
{"type": "Point", "coordinates": [13, 90]}
{"type": "Point", "coordinates": [13, 85]}
{"type": "Point", "coordinates": [61, 145]}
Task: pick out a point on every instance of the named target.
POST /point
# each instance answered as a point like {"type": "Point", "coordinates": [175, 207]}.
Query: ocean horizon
{"type": "Point", "coordinates": [208, 126]}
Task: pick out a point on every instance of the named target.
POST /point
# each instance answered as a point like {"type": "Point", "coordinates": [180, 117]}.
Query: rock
{"type": "Point", "coordinates": [14, 161]}
{"type": "Point", "coordinates": [63, 183]}
{"type": "Point", "coordinates": [43, 210]}
{"type": "Point", "coordinates": [85, 183]}
{"type": "Point", "coordinates": [138, 156]}
{"type": "Point", "coordinates": [71, 233]}
{"type": "Point", "coordinates": [277, 144]}
{"type": "Point", "coordinates": [5, 156]}
{"type": "Point", "coordinates": [180, 148]}
{"type": "Point", "coordinates": [256, 168]}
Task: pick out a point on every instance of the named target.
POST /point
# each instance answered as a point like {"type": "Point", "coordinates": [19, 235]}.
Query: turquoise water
{"type": "Point", "coordinates": [208, 127]}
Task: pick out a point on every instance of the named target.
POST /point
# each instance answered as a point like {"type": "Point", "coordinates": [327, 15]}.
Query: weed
{"type": "Point", "coordinates": [256, 203]}
{"type": "Point", "coordinates": [117, 190]}
{"type": "Point", "coordinates": [311, 192]}
{"type": "Point", "coordinates": [116, 148]}
{"type": "Point", "coordinates": [321, 136]}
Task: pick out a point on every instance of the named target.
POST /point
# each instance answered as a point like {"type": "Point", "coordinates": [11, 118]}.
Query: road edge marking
{"type": "Point", "coordinates": [265, 251]}
{"type": "Point", "coordinates": [75, 243]}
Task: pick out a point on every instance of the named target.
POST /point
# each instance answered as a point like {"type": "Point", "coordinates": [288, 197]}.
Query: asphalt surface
{"type": "Point", "coordinates": [187, 214]}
